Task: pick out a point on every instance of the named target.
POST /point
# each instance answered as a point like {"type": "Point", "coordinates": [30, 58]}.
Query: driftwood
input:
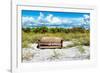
{"type": "Point", "coordinates": [50, 42]}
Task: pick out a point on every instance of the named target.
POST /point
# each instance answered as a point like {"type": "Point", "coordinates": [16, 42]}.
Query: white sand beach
{"type": "Point", "coordinates": [35, 54]}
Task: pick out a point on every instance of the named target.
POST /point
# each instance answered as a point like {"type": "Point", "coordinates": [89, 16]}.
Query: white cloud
{"type": "Point", "coordinates": [41, 16]}
{"type": "Point", "coordinates": [86, 19]}
{"type": "Point", "coordinates": [86, 16]}
{"type": "Point", "coordinates": [67, 20]}
{"type": "Point", "coordinates": [27, 18]}
{"type": "Point", "coordinates": [56, 20]}
{"type": "Point", "coordinates": [27, 21]}
{"type": "Point", "coordinates": [49, 18]}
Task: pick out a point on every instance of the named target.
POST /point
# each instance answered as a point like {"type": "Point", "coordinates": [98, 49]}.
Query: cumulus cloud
{"type": "Point", "coordinates": [86, 19]}
{"type": "Point", "coordinates": [86, 16]}
{"type": "Point", "coordinates": [27, 21]}
{"type": "Point", "coordinates": [66, 20]}
{"type": "Point", "coordinates": [27, 18]}
{"type": "Point", "coordinates": [40, 18]}
{"type": "Point", "coordinates": [56, 20]}
{"type": "Point", "coordinates": [50, 19]}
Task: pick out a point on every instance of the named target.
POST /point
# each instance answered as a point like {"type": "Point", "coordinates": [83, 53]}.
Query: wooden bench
{"type": "Point", "coordinates": [50, 42]}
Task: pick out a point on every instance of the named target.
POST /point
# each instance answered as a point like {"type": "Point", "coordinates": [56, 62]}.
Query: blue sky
{"type": "Point", "coordinates": [31, 18]}
{"type": "Point", "coordinates": [59, 14]}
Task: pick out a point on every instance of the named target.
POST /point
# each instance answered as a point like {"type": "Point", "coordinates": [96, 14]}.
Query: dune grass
{"type": "Point", "coordinates": [78, 38]}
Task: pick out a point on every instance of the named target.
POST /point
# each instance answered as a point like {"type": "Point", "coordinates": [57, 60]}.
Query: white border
{"type": "Point", "coordinates": [17, 66]}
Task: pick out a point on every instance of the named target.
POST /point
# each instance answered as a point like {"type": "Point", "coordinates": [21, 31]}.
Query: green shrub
{"type": "Point", "coordinates": [43, 29]}
{"type": "Point", "coordinates": [26, 29]}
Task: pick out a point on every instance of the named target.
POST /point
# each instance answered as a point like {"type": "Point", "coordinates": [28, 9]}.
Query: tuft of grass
{"type": "Point", "coordinates": [56, 55]}
{"type": "Point", "coordinates": [81, 49]}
